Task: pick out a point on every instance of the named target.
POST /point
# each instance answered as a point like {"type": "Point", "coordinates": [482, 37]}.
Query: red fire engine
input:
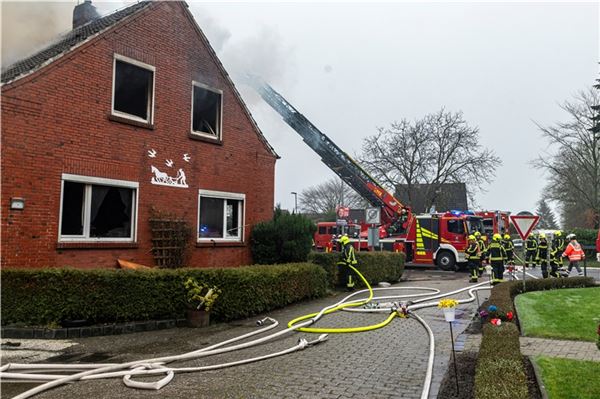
{"type": "Point", "coordinates": [438, 238]}
{"type": "Point", "coordinates": [494, 222]}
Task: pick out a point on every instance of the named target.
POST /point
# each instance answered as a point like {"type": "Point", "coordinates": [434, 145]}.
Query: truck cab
{"type": "Point", "coordinates": [441, 238]}
{"type": "Point", "coordinates": [328, 231]}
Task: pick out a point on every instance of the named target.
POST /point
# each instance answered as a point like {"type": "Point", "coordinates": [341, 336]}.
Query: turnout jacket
{"type": "Point", "coordinates": [558, 243]}
{"type": "Point", "coordinates": [472, 251]}
{"type": "Point", "coordinates": [347, 256]}
{"type": "Point", "coordinates": [496, 252]}
{"type": "Point", "coordinates": [508, 245]}
{"type": "Point", "coordinates": [531, 244]}
{"type": "Point", "coordinates": [542, 252]}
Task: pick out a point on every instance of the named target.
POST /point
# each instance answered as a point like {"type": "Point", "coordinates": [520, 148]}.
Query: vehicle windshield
{"type": "Point", "coordinates": [474, 224]}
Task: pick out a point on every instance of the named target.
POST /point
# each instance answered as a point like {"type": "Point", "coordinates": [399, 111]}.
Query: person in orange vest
{"type": "Point", "coordinates": [575, 254]}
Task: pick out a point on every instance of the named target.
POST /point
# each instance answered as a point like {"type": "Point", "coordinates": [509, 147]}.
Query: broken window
{"type": "Point", "coordinates": [97, 211]}
{"type": "Point", "coordinates": [133, 86]}
{"type": "Point", "coordinates": [220, 216]}
{"type": "Point", "coordinates": [206, 111]}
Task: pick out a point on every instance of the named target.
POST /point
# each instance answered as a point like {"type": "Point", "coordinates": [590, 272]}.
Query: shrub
{"type": "Point", "coordinates": [374, 266]}
{"type": "Point", "coordinates": [286, 238]}
{"type": "Point", "coordinates": [500, 371]}
{"type": "Point", "coordinates": [45, 296]}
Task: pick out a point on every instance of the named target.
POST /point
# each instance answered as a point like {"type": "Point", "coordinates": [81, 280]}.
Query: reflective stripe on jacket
{"type": "Point", "coordinates": [574, 251]}
{"type": "Point", "coordinates": [496, 251]}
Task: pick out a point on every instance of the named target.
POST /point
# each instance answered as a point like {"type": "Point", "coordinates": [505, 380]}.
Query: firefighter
{"type": "Point", "coordinates": [496, 256]}
{"type": "Point", "coordinates": [347, 259]}
{"type": "Point", "coordinates": [531, 246]}
{"type": "Point", "coordinates": [473, 258]}
{"type": "Point", "coordinates": [558, 245]}
{"type": "Point", "coordinates": [482, 249]}
{"type": "Point", "coordinates": [509, 247]}
{"type": "Point", "coordinates": [575, 253]}
{"type": "Point", "coordinates": [542, 254]}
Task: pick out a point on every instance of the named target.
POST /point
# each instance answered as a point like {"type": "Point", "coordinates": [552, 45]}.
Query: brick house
{"type": "Point", "coordinates": [124, 118]}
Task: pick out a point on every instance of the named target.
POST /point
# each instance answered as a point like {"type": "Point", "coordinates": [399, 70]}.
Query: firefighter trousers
{"type": "Point", "coordinates": [544, 265]}
{"type": "Point", "coordinates": [347, 276]}
{"type": "Point", "coordinates": [473, 265]}
{"type": "Point", "coordinates": [555, 263]}
{"type": "Point", "coordinates": [530, 258]}
{"type": "Point", "coordinates": [497, 270]}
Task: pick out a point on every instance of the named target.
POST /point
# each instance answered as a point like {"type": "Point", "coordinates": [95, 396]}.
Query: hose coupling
{"type": "Point", "coordinates": [262, 322]}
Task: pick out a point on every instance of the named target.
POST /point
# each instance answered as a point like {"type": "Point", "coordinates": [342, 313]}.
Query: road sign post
{"type": "Point", "coordinates": [524, 224]}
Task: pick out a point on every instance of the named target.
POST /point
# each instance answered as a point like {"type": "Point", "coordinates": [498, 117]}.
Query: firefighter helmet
{"type": "Point", "coordinates": [542, 235]}
{"type": "Point", "coordinates": [558, 233]}
{"type": "Point", "coordinates": [506, 237]}
{"type": "Point", "coordinates": [477, 234]}
{"type": "Point", "coordinates": [472, 237]}
{"type": "Point", "coordinates": [497, 237]}
{"type": "Point", "coordinates": [571, 236]}
{"type": "Point", "coordinates": [344, 239]}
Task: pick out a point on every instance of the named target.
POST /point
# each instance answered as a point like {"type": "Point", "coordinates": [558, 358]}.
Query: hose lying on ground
{"type": "Point", "coordinates": [158, 365]}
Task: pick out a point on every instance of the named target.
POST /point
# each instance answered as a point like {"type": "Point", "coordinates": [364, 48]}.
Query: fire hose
{"type": "Point", "coordinates": [34, 372]}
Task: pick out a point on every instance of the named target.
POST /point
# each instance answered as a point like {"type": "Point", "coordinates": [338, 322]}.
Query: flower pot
{"type": "Point", "coordinates": [449, 314]}
{"type": "Point", "coordinates": [198, 318]}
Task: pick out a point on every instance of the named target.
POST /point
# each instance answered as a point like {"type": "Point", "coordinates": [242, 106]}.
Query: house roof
{"type": "Point", "coordinates": [77, 36]}
{"type": "Point", "coordinates": [67, 42]}
{"type": "Point", "coordinates": [448, 196]}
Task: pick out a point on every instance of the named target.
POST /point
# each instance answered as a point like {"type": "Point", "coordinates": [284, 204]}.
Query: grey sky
{"type": "Point", "coordinates": [352, 67]}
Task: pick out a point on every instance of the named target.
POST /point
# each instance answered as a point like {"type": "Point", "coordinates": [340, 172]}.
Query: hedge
{"type": "Point", "coordinates": [374, 266]}
{"type": "Point", "coordinates": [48, 296]}
{"type": "Point", "coordinates": [500, 371]}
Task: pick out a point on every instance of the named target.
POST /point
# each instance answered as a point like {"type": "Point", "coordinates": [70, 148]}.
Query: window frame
{"type": "Point", "coordinates": [150, 110]}
{"type": "Point", "coordinates": [241, 215]}
{"type": "Point", "coordinates": [195, 133]}
{"type": "Point", "coordinates": [89, 181]}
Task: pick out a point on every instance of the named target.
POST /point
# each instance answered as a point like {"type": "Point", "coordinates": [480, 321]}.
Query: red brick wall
{"type": "Point", "coordinates": [56, 121]}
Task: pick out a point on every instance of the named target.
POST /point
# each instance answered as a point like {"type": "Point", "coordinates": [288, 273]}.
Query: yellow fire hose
{"type": "Point", "coordinates": [340, 307]}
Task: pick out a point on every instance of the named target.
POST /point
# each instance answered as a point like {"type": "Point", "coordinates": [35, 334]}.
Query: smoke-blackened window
{"type": "Point", "coordinates": [93, 212]}
{"type": "Point", "coordinates": [133, 87]}
{"type": "Point", "coordinates": [206, 111]}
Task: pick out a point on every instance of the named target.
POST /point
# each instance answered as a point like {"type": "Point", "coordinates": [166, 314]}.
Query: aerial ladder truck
{"type": "Point", "coordinates": [426, 239]}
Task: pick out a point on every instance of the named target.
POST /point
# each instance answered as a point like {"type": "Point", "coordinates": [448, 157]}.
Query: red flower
{"type": "Point", "coordinates": [509, 316]}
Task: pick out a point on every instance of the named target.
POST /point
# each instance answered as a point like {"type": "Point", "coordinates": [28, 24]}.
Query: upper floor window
{"type": "Point", "coordinates": [133, 89]}
{"type": "Point", "coordinates": [207, 105]}
{"type": "Point", "coordinates": [97, 209]}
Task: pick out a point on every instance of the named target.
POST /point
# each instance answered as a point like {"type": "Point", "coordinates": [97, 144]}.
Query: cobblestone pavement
{"type": "Point", "coordinates": [577, 350]}
{"type": "Point", "coordinates": [385, 363]}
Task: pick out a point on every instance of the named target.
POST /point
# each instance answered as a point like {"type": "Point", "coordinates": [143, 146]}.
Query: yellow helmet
{"type": "Point", "coordinates": [344, 239]}
{"type": "Point", "coordinates": [472, 237]}
{"type": "Point", "coordinates": [477, 234]}
{"type": "Point", "coordinates": [558, 233]}
{"type": "Point", "coordinates": [542, 235]}
{"type": "Point", "coordinates": [506, 237]}
{"type": "Point", "coordinates": [497, 237]}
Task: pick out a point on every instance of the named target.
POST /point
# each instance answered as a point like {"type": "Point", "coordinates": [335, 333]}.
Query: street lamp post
{"type": "Point", "coordinates": [295, 194]}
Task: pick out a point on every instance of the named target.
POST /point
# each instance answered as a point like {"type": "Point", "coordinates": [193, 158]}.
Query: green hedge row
{"type": "Point", "coordinates": [48, 296]}
{"type": "Point", "coordinates": [500, 371]}
{"type": "Point", "coordinates": [374, 266]}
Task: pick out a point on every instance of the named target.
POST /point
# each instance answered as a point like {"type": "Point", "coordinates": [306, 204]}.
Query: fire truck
{"type": "Point", "coordinates": [494, 222]}
{"type": "Point", "coordinates": [438, 238]}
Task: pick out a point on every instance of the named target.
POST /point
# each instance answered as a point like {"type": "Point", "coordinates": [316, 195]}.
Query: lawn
{"type": "Point", "coordinates": [565, 378]}
{"type": "Point", "coordinates": [562, 314]}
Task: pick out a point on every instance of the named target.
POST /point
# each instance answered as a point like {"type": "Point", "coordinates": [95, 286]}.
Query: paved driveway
{"type": "Point", "coordinates": [385, 363]}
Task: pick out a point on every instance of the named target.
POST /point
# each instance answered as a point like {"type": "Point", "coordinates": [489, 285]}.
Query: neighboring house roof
{"type": "Point", "coordinates": [67, 42]}
{"type": "Point", "coordinates": [450, 196]}
{"type": "Point", "coordinates": [77, 36]}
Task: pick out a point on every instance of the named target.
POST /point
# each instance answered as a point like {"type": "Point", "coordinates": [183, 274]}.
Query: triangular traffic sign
{"type": "Point", "coordinates": [524, 224]}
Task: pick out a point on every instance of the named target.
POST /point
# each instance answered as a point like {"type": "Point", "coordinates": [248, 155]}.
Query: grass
{"type": "Point", "coordinates": [563, 314]}
{"type": "Point", "coordinates": [565, 378]}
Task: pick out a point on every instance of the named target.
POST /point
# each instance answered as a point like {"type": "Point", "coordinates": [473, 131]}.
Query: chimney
{"type": "Point", "coordinates": [84, 13]}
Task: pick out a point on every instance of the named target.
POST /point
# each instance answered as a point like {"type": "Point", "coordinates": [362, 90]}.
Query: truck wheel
{"type": "Point", "coordinates": [445, 261]}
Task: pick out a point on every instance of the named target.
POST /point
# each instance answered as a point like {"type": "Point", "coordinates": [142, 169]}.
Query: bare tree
{"type": "Point", "coordinates": [437, 149]}
{"type": "Point", "coordinates": [325, 197]}
{"type": "Point", "coordinates": [572, 161]}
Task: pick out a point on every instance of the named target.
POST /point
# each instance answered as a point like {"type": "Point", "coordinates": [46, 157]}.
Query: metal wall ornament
{"type": "Point", "coordinates": [164, 178]}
